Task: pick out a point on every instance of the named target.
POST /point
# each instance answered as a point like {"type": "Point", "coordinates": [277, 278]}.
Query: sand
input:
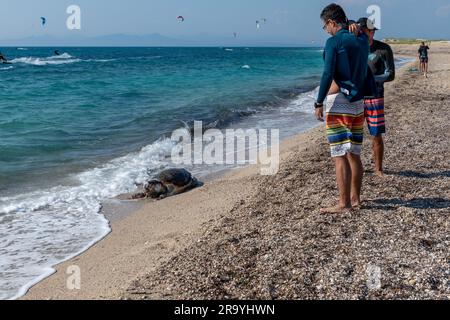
{"type": "Point", "coordinates": [248, 236]}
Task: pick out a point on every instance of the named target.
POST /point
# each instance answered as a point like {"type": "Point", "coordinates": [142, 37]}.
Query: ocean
{"type": "Point", "coordinates": [85, 126]}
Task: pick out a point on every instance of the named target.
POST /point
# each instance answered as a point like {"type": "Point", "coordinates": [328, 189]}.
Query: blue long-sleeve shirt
{"type": "Point", "coordinates": [346, 63]}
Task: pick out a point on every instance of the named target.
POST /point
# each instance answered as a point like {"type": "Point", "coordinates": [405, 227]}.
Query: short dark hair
{"type": "Point", "coordinates": [335, 13]}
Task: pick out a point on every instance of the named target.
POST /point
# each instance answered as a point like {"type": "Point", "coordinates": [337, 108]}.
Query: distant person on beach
{"type": "Point", "coordinates": [423, 57]}
{"type": "Point", "coordinates": [343, 84]}
{"type": "Point", "coordinates": [382, 64]}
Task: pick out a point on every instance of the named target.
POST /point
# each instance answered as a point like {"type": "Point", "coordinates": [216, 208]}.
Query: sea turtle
{"type": "Point", "coordinates": [168, 183]}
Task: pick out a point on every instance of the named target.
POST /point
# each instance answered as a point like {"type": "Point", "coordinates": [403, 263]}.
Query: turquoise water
{"type": "Point", "coordinates": [83, 127]}
{"type": "Point", "coordinates": [69, 113]}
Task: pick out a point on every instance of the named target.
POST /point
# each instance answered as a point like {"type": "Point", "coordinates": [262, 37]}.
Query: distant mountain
{"type": "Point", "coordinates": [148, 40]}
{"type": "Point", "coordinates": [242, 40]}
{"type": "Point", "coordinates": [121, 40]}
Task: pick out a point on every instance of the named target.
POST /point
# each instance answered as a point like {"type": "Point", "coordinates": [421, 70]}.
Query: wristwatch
{"type": "Point", "coordinates": [318, 105]}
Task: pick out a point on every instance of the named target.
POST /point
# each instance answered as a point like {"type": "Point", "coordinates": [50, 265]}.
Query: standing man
{"type": "Point", "coordinates": [382, 64]}
{"type": "Point", "coordinates": [343, 80]}
{"type": "Point", "coordinates": [423, 57]}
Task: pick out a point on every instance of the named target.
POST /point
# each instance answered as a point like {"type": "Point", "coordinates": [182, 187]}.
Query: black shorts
{"type": "Point", "coordinates": [424, 59]}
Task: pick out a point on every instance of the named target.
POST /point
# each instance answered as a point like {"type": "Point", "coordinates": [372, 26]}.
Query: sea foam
{"type": "Point", "coordinates": [53, 60]}
{"type": "Point", "coordinates": [49, 226]}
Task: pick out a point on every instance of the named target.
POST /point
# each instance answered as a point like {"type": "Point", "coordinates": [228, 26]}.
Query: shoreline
{"type": "Point", "coordinates": [130, 216]}
{"type": "Point", "coordinates": [90, 187]}
{"type": "Point", "coordinates": [116, 209]}
{"type": "Point", "coordinates": [144, 253]}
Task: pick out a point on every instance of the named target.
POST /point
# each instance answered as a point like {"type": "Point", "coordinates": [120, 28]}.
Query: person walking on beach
{"type": "Point", "coordinates": [423, 57]}
{"type": "Point", "coordinates": [382, 64]}
{"type": "Point", "coordinates": [343, 84]}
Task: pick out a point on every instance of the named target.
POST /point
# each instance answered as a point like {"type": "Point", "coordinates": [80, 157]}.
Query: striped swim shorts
{"type": "Point", "coordinates": [345, 125]}
{"type": "Point", "coordinates": [374, 113]}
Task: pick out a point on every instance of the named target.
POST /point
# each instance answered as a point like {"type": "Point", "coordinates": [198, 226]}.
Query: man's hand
{"type": "Point", "coordinates": [355, 29]}
{"type": "Point", "coordinates": [319, 114]}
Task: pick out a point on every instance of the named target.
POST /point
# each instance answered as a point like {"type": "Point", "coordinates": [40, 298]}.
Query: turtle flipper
{"type": "Point", "coordinates": [197, 183]}
{"type": "Point", "coordinates": [140, 195]}
{"type": "Point", "coordinates": [163, 196]}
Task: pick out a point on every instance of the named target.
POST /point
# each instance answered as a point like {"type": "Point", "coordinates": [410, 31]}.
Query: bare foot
{"type": "Point", "coordinates": [356, 201]}
{"type": "Point", "coordinates": [336, 210]}
{"type": "Point", "coordinates": [356, 204]}
{"type": "Point", "coordinates": [379, 174]}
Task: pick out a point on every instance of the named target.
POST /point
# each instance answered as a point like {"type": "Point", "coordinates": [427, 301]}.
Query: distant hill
{"type": "Point", "coordinates": [150, 40]}
{"type": "Point", "coordinates": [124, 40]}
{"type": "Point", "coordinates": [410, 40]}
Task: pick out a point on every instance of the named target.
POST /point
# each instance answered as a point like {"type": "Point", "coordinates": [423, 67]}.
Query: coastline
{"type": "Point", "coordinates": [143, 242]}
{"type": "Point", "coordinates": [159, 229]}
{"type": "Point", "coordinates": [56, 230]}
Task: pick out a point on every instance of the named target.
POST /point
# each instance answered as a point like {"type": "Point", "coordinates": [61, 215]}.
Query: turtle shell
{"type": "Point", "coordinates": [177, 177]}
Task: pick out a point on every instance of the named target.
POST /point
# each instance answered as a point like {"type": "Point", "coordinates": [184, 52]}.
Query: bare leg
{"type": "Point", "coordinates": [426, 69]}
{"type": "Point", "coordinates": [357, 170]}
{"type": "Point", "coordinates": [378, 154]}
{"type": "Point", "coordinates": [343, 179]}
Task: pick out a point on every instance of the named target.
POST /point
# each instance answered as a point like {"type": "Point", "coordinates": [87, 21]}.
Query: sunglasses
{"type": "Point", "coordinates": [326, 24]}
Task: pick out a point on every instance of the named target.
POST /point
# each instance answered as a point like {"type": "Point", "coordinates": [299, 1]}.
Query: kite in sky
{"type": "Point", "coordinates": [43, 21]}
{"type": "Point", "coordinates": [258, 22]}
{"type": "Point", "coordinates": [180, 18]}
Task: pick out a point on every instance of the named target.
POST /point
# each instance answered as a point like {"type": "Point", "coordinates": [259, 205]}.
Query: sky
{"type": "Point", "coordinates": [292, 22]}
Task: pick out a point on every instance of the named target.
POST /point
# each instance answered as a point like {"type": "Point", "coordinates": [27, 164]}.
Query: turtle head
{"type": "Point", "coordinates": [155, 188]}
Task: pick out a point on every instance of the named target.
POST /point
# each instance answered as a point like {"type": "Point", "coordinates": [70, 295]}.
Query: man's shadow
{"type": "Point", "coordinates": [416, 203]}
{"type": "Point", "coordinates": [420, 175]}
